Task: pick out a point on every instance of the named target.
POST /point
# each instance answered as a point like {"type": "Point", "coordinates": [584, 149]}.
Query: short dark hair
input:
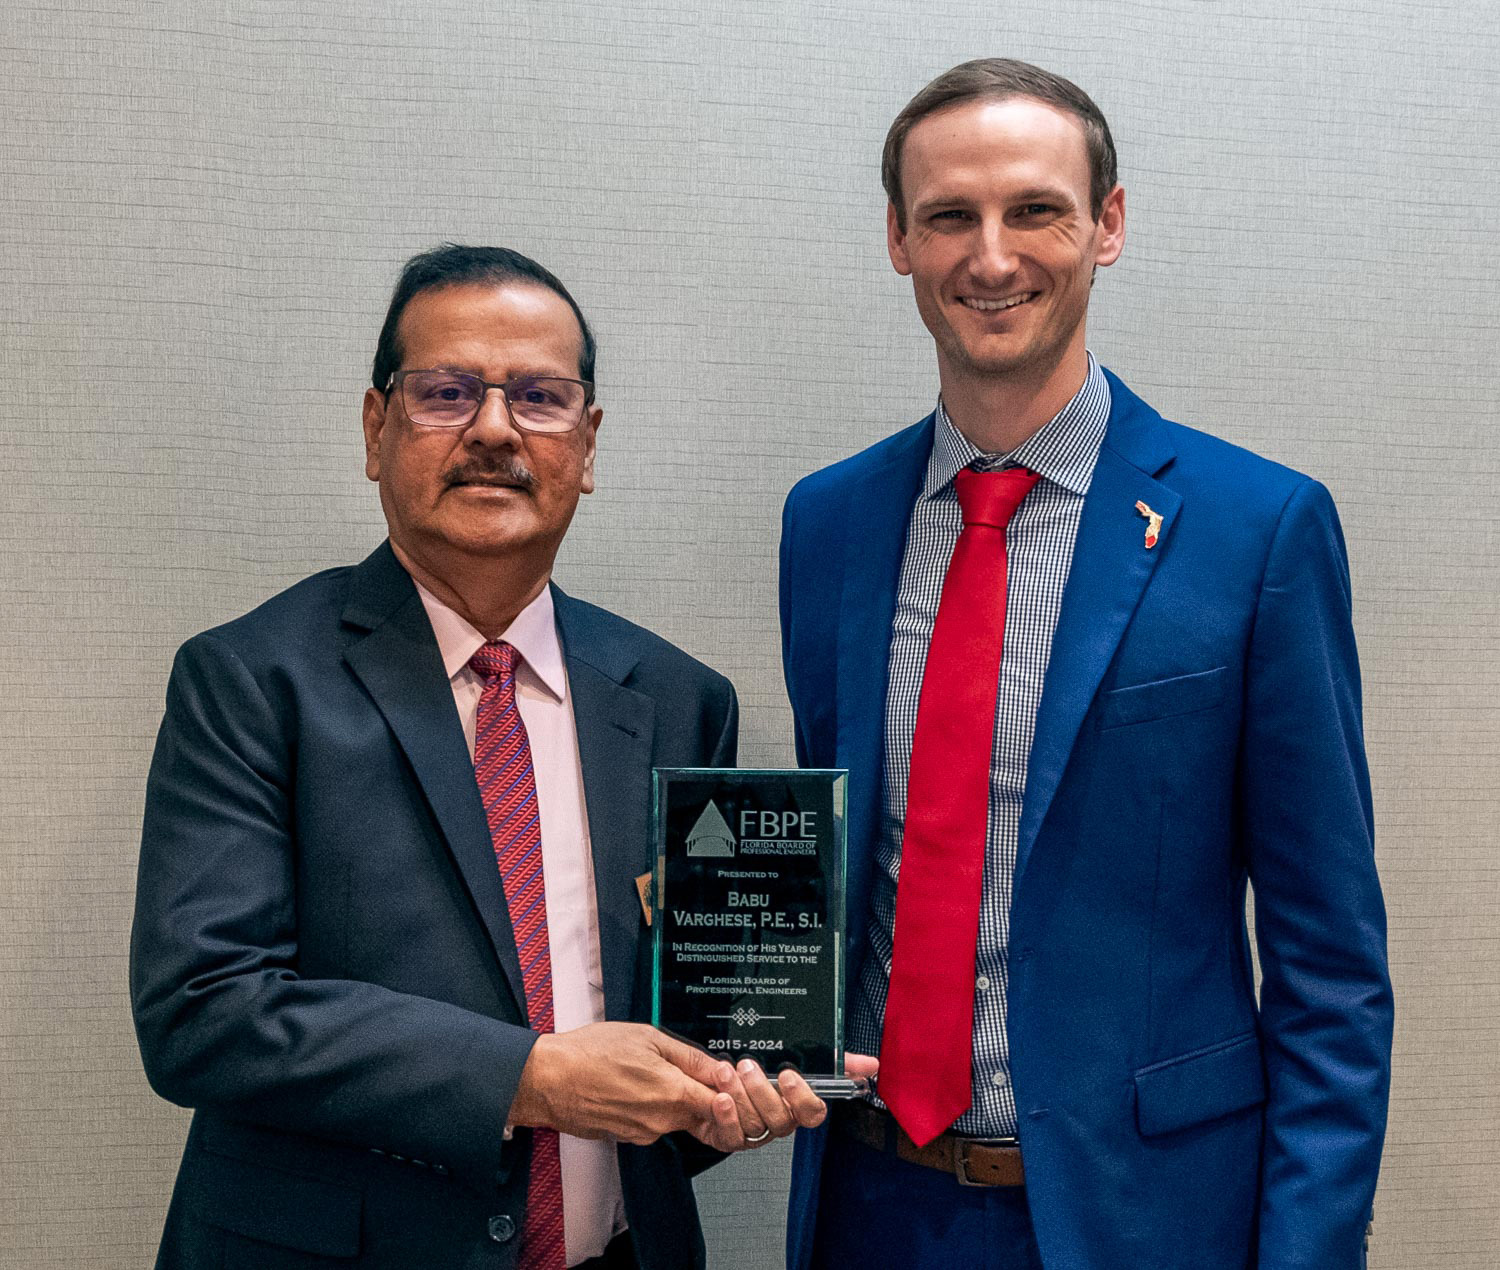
{"type": "Point", "coordinates": [998, 79]}
{"type": "Point", "coordinates": [453, 265]}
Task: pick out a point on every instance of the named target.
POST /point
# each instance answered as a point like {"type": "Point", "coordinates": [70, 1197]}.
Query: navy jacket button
{"type": "Point", "coordinates": [502, 1229]}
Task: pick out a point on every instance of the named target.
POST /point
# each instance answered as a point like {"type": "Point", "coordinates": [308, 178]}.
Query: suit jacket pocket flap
{"type": "Point", "coordinates": [277, 1207]}
{"type": "Point", "coordinates": [1200, 1086]}
{"type": "Point", "coordinates": [1163, 698]}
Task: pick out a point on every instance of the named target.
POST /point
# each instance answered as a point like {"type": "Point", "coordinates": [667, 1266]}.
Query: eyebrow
{"type": "Point", "coordinates": [1031, 194]}
{"type": "Point", "coordinates": [520, 374]}
{"type": "Point", "coordinates": [1045, 194]}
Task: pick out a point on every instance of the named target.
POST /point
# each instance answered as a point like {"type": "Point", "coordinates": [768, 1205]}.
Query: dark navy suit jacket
{"type": "Point", "coordinates": [322, 963]}
{"type": "Point", "coordinates": [1199, 726]}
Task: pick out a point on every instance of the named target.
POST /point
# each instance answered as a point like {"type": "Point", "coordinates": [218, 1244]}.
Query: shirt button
{"type": "Point", "coordinates": [1000, 1079]}
{"type": "Point", "coordinates": [502, 1229]}
{"type": "Point", "coordinates": [982, 983]}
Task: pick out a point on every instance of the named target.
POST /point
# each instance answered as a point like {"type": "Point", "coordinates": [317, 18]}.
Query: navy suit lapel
{"type": "Point", "coordinates": [879, 513]}
{"type": "Point", "coordinates": [615, 732]}
{"type": "Point", "coordinates": [1111, 567]}
{"type": "Point", "coordinates": [399, 664]}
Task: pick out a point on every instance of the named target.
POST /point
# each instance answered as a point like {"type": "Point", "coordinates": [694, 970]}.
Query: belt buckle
{"type": "Point", "coordinates": [961, 1147]}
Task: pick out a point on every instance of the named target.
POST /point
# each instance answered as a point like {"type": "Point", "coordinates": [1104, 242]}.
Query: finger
{"type": "Point", "coordinates": [748, 1118]}
{"type": "Point", "coordinates": [731, 1133]}
{"type": "Point", "coordinates": [722, 1128]}
{"type": "Point", "coordinates": [697, 1105]}
{"type": "Point", "coordinates": [769, 1104]}
{"type": "Point", "coordinates": [807, 1110]}
{"type": "Point", "coordinates": [860, 1065]}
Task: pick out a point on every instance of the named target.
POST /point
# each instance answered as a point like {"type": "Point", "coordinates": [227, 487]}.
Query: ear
{"type": "Point", "coordinates": [591, 424]}
{"type": "Point", "coordinates": [1110, 228]}
{"type": "Point", "coordinates": [374, 422]}
{"type": "Point", "coordinates": [895, 241]}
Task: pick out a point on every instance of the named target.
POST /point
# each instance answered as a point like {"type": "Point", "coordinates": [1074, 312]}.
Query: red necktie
{"type": "Point", "coordinates": [926, 1052]}
{"type": "Point", "coordinates": [502, 766]}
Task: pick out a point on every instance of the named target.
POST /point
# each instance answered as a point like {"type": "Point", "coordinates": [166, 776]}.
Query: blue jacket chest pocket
{"type": "Point", "coordinates": [1164, 698]}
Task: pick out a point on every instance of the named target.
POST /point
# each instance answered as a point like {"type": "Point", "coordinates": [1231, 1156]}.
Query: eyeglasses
{"type": "Point", "coordinates": [451, 399]}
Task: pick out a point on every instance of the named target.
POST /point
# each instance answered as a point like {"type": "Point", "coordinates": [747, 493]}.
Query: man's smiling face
{"type": "Point", "coordinates": [486, 489]}
{"type": "Point", "coordinates": [999, 239]}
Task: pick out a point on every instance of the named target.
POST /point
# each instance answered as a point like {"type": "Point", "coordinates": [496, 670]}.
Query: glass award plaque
{"type": "Point", "coordinates": [748, 918]}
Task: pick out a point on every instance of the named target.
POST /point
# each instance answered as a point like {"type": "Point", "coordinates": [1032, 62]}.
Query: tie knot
{"type": "Point", "coordinates": [991, 498]}
{"type": "Point", "coordinates": [495, 658]}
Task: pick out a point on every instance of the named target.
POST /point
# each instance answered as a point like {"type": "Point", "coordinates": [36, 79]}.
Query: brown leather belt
{"type": "Point", "coordinates": [973, 1161]}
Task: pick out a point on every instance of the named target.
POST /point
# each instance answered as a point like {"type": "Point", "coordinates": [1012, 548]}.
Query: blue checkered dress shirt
{"type": "Point", "coordinates": [1039, 544]}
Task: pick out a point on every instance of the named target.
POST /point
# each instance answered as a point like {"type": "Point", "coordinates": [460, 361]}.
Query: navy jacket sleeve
{"type": "Point", "coordinates": [224, 1016]}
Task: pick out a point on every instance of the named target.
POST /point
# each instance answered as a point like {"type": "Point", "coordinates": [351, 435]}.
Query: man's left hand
{"type": "Point", "coordinates": [760, 1112]}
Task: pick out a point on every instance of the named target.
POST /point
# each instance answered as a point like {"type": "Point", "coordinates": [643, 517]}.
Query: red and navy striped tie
{"type": "Point", "coordinates": [502, 766]}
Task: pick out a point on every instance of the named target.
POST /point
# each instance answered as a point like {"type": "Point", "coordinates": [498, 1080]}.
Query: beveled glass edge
{"type": "Point", "coordinates": [839, 888]}
{"type": "Point", "coordinates": [658, 882]}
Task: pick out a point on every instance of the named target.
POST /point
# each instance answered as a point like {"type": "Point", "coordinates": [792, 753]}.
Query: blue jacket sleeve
{"type": "Point", "coordinates": [1308, 835]}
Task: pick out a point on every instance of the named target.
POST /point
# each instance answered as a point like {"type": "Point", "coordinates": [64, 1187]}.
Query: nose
{"type": "Point", "coordinates": [993, 261]}
{"type": "Point", "coordinates": [492, 424]}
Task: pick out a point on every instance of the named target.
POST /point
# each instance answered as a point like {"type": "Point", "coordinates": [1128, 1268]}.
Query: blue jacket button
{"type": "Point", "coordinates": [502, 1229]}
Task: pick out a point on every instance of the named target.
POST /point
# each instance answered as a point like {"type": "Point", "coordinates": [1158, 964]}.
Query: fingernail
{"type": "Point", "coordinates": [747, 1066]}
{"type": "Point", "coordinates": [725, 1073]}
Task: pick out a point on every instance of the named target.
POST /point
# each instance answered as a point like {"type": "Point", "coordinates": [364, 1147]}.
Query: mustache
{"type": "Point", "coordinates": [509, 469]}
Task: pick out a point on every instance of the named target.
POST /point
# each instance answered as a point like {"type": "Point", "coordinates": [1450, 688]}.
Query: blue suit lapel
{"type": "Point", "coordinates": [879, 512]}
{"type": "Point", "coordinates": [615, 732]}
{"type": "Point", "coordinates": [1111, 567]}
{"type": "Point", "coordinates": [399, 664]}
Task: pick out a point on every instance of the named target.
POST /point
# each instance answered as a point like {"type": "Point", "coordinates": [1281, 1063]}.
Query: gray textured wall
{"type": "Point", "coordinates": [202, 207]}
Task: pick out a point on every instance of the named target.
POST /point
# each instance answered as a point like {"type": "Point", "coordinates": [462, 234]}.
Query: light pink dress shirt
{"type": "Point", "coordinates": [593, 1207]}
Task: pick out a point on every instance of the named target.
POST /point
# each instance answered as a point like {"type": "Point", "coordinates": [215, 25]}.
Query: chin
{"type": "Point", "coordinates": [994, 362]}
{"type": "Point", "coordinates": [485, 540]}
{"type": "Point", "coordinates": [1014, 358]}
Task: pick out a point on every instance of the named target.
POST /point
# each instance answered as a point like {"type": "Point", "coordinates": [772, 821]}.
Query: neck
{"type": "Point", "coordinates": [486, 592]}
{"type": "Point", "coordinates": [1000, 412]}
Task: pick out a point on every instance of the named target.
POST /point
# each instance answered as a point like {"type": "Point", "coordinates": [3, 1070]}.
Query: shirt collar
{"type": "Point", "coordinates": [533, 633]}
{"type": "Point", "coordinates": [1063, 451]}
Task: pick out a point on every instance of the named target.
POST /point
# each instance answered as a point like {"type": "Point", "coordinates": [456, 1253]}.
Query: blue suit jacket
{"type": "Point", "coordinates": [322, 960]}
{"type": "Point", "coordinates": [1199, 725]}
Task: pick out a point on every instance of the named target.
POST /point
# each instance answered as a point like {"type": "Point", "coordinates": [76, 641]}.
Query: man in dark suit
{"type": "Point", "coordinates": [1090, 671]}
{"type": "Point", "coordinates": [388, 930]}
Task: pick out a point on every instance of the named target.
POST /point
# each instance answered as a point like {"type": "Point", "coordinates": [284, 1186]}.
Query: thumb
{"type": "Point", "coordinates": [698, 1064]}
{"type": "Point", "coordinates": [860, 1065]}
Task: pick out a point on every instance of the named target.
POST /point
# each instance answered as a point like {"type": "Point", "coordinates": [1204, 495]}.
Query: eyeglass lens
{"type": "Point", "coordinates": [449, 399]}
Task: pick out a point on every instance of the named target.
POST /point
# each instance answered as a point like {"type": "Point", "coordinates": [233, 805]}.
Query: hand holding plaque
{"type": "Point", "coordinates": [748, 918]}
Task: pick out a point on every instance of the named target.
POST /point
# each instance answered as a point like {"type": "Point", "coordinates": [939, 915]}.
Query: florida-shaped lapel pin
{"type": "Point", "coordinates": [1153, 523]}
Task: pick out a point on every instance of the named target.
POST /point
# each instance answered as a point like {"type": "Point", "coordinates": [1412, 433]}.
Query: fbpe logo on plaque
{"type": "Point", "coordinates": [711, 836]}
{"type": "Point", "coordinates": [761, 833]}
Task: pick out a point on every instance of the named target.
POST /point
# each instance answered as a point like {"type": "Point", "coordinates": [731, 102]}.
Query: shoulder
{"type": "Point", "coordinates": [903, 452]}
{"type": "Point", "coordinates": [1200, 466]}
{"type": "Point", "coordinates": [629, 653]}
{"type": "Point", "coordinates": [309, 602]}
{"type": "Point", "coordinates": [244, 678]}
{"type": "Point", "coordinates": [301, 621]}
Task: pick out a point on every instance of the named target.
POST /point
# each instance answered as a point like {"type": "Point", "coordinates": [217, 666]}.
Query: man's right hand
{"type": "Point", "coordinates": [625, 1081]}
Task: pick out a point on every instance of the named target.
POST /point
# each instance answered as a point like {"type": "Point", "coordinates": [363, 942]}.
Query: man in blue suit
{"type": "Point", "coordinates": [1091, 672]}
{"type": "Point", "coordinates": [388, 936]}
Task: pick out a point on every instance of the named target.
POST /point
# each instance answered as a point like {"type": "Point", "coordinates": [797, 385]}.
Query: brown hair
{"type": "Point", "coordinates": [996, 79]}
